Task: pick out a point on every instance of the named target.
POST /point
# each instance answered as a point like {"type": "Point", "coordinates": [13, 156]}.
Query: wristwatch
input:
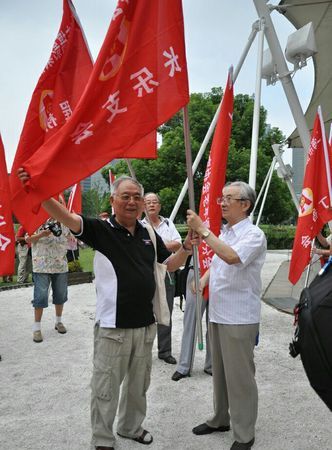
{"type": "Point", "coordinates": [206, 233]}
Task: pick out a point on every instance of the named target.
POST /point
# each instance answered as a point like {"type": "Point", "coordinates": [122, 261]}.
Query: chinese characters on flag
{"type": "Point", "coordinates": [315, 202]}
{"type": "Point", "coordinates": [7, 237]}
{"type": "Point", "coordinates": [56, 95]}
{"type": "Point", "coordinates": [215, 174]}
{"type": "Point", "coordinates": [138, 82]}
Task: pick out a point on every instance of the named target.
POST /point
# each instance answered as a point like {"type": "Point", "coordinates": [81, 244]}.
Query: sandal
{"type": "Point", "coordinates": [145, 438]}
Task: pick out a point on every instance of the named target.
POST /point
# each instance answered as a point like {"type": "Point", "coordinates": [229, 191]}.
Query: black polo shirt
{"type": "Point", "coordinates": [126, 281]}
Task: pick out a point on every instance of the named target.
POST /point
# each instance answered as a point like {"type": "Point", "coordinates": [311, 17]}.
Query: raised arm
{"type": "Point", "coordinates": [54, 208]}
{"type": "Point", "coordinates": [60, 213]}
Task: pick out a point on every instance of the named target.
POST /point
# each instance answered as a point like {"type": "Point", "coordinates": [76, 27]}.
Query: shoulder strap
{"type": "Point", "coordinates": [188, 262]}
{"type": "Point", "coordinates": [167, 221]}
{"type": "Point", "coordinates": [152, 235]}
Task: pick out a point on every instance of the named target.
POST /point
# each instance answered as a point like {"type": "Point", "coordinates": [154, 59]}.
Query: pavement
{"type": "Point", "coordinates": [280, 293]}
{"type": "Point", "coordinates": [45, 395]}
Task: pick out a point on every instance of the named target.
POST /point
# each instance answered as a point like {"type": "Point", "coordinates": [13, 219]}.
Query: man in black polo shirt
{"type": "Point", "coordinates": [125, 324]}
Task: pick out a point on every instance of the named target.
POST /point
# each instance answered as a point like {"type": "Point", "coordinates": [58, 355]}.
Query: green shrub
{"type": "Point", "coordinates": [74, 266]}
{"type": "Point", "coordinates": [279, 236]}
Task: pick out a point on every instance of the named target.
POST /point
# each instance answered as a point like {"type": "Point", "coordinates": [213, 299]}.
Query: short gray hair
{"type": "Point", "coordinates": [246, 193]}
{"type": "Point", "coordinates": [153, 193]}
{"type": "Point", "coordinates": [118, 181]}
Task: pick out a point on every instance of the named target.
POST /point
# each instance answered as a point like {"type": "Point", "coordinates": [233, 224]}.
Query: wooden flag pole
{"type": "Point", "coordinates": [192, 207]}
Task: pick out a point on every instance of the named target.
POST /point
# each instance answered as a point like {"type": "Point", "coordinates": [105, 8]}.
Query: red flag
{"type": "Point", "coordinates": [215, 173]}
{"type": "Point", "coordinates": [54, 98]}
{"type": "Point", "coordinates": [7, 237]}
{"type": "Point", "coordinates": [75, 199]}
{"type": "Point", "coordinates": [138, 82]}
{"type": "Point", "coordinates": [315, 202]}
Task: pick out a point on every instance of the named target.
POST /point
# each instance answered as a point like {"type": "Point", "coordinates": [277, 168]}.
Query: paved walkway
{"type": "Point", "coordinates": [280, 293]}
{"type": "Point", "coordinates": [45, 394]}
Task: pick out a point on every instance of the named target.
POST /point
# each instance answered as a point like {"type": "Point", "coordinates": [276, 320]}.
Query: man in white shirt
{"type": "Point", "coordinates": [172, 240]}
{"type": "Point", "coordinates": [234, 314]}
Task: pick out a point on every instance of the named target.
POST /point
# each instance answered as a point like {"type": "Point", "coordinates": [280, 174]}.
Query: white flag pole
{"type": "Point", "coordinates": [326, 153]}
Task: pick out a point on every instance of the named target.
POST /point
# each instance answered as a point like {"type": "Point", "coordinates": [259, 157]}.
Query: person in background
{"type": "Point", "coordinates": [326, 243]}
{"type": "Point", "coordinates": [24, 256]}
{"type": "Point", "coordinates": [172, 240]}
{"type": "Point", "coordinates": [189, 336]}
{"type": "Point", "coordinates": [234, 279]}
{"type": "Point", "coordinates": [50, 268]}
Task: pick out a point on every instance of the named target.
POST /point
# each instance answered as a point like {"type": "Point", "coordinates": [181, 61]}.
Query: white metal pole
{"type": "Point", "coordinates": [266, 191]}
{"type": "Point", "coordinates": [276, 149]}
{"type": "Point", "coordinates": [257, 106]}
{"type": "Point", "coordinates": [213, 123]}
{"type": "Point", "coordinates": [284, 73]}
{"type": "Point", "coordinates": [192, 207]}
{"type": "Point", "coordinates": [263, 187]}
{"type": "Point", "coordinates": [131, 169]}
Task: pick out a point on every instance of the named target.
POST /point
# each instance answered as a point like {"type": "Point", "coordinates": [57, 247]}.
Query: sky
{"type": "Point", "coordinates": [216, 33]}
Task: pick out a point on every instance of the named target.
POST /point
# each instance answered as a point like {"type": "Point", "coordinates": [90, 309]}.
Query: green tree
{"type": "Point", "coordinates": [94, 202]}
{"type": "Point", "coordinates": [166, 174]}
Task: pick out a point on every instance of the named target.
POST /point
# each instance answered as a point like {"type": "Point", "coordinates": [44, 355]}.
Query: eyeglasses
{"type": "Point", "coordinates": [151, 202]}
{"type": "Point", "coordinates": [126, 197]}
{"type": "Point", "coordinates": [228, 199]}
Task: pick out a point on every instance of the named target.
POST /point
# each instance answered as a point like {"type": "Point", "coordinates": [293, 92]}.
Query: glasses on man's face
{"type": "Point", "coordinates": [151, 202]}
{"type": "Point", "coordinates": [126, 197]}
{"type": "Point", "coordinates": [229, 199]}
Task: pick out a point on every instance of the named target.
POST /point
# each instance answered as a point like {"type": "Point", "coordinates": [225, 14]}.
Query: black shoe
{"type": "Point", "coordinates": [104, 448]}
{"type": "Point", "coordinates": [208, 372]}
{"type": "Point", "coordinates": [243, 445]}
{"type": "Point", "coordinates": [169, 359]}
{"type": "Point", "coordinates": [177, 376]}
{"type": "Point", "coordinates": [205, 429]}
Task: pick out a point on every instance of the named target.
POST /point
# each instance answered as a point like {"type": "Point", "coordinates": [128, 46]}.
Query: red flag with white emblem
{"type": "Point", "coordinates": [138, 82]}
{"type": "Point", "coordinates": [7, 236]}
{"type": "Point", "coordinates": [74, 203]}
{"type": "Point", "coordinates": [56, 95]}
{"type": "Point", "coordinates": [215, 174]}
{"type": "Point", "coordinates": [315, 202]}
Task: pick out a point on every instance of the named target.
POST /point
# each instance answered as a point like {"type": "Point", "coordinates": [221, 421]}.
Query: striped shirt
{"type": "Point", "coordinates": [235, 289]}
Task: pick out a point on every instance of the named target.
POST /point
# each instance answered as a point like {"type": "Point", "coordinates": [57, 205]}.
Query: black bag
{"type": "Point", "coordinates": [313, 336]}
{"type": "Point", "coordinates": [181, 276]}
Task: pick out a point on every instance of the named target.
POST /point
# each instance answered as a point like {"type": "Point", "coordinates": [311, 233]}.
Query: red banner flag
{"type": "Point", "coordinates": [315, 202]}
{"type": "Point", "coordinates": [7, 236]}
{"type": "Point", "coordinates": [215, 173]}
{"type": "Point", "coordinates": [138, 82]}
{"type": "Point", "coordinates": [56, 95]}
{"type": "Point", "coordinates": [75, 199]}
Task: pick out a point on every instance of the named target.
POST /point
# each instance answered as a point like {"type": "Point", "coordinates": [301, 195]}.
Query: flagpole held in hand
{"type": "Point", "coordinates": [309, 265]}
{"type": "Point", "coordinates": [192, 207]}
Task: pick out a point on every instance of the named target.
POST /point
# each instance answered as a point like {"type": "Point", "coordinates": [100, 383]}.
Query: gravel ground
{"type": "Point", "coordinates": [45, 387]}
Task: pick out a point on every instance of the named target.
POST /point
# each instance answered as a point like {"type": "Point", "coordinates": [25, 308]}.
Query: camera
{"type": "Point", "coordinates": [54, 227]}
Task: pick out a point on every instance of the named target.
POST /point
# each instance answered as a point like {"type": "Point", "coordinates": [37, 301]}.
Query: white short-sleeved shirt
{"type": "Point", "coordinates": [235, 289]}
{"type": "Point", "coordinates": [167, 230]}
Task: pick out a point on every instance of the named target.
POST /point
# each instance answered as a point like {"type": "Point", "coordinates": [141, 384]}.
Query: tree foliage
{"type": "Point", "coordinates": [166, 174]}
